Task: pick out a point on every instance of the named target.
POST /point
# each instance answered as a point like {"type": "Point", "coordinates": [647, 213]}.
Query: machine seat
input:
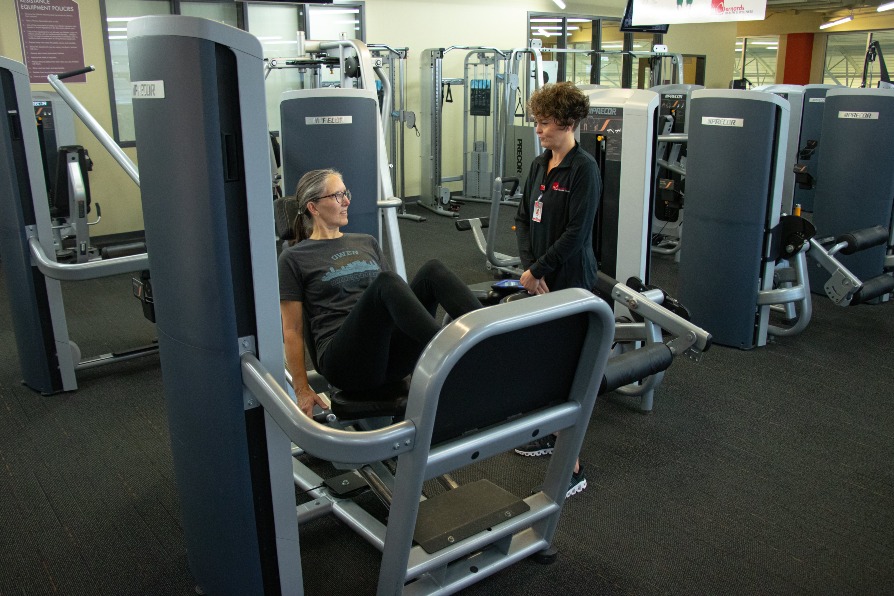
{"type": "Point", "coordinates": [388, 400]}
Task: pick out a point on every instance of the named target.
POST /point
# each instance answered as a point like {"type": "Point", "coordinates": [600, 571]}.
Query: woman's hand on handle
{"type": "Point", "coordinates": [307, 398]}
{"type": "Point", "coordinates": [532, 284]}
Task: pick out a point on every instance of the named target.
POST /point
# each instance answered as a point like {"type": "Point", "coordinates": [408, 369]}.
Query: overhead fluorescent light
{"type": "Point", "coordinates": [840, 21]}
{"type": "Point", "coordinates": [885, 6]}
{"type": "Point", "coordinates": [542, 32]}
{"type": "Point", "coordinates": [560, 4]}
{"type": "Point", "coordinates": [546, 20]}
{"type": "Point", "coordinates": [327, 10]}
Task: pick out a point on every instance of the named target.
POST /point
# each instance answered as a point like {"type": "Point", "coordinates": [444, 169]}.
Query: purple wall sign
{"type": "Point", "coordinates": [51, 38]}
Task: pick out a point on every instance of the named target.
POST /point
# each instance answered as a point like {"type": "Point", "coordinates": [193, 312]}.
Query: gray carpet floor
{"type": "Point", "coordinates": [760, 472]}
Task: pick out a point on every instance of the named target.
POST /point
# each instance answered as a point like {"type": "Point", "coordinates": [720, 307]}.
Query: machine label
{"type": "Point", "coordinates": [736, 122]}
{"type": "Point", "coordinates": [859, 115]}
{"type": "Point", "coordinates": [311, 120]}
{"type": "Point", "coordinates": [817, 100]}
{"type": "Point", "coordinates": [606, 126]}
{"type": "Point", "coordinates": [148, 89]}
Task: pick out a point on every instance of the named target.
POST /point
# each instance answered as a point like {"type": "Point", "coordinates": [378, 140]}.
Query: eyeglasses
{"type": "Point", "coordinates": [339, 196]}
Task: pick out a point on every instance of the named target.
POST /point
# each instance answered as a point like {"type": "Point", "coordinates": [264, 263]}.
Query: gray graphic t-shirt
{"type": "Point", "coordinates": [328, 277]}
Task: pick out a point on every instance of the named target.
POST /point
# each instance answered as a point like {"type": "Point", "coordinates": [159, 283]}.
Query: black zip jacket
{"type": "Point", "coordinates": [559, 247]}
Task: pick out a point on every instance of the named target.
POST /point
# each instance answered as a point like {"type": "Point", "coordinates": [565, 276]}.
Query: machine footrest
{"type": "Point", "coordinates": [463, 512]}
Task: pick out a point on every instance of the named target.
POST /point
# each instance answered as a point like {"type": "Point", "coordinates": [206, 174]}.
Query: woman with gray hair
{"type": "Point", "coordinates": [368, 325]}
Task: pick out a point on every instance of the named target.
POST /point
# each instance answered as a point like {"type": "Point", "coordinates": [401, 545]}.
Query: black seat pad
{"type": "Point", "coordinates": [387, 400]}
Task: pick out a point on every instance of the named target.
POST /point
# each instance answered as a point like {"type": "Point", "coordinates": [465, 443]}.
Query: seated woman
{"type": "Point", "coordinates": [369, 326]}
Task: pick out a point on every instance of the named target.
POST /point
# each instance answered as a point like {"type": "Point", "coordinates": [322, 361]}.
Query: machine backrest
{"type": "Point", "coordinates": [511, 374]}
{"type": "Point", "coordinates": [513, 360]}
{"type": "Point", "coordinates": [334, 128]}
{"type": "Point", "coordinates": [735, 161]}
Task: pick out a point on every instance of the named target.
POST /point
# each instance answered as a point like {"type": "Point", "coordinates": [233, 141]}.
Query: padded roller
{"type": "Point", "coordinates": [875, 287]}
{"type": "Point", "coordinates": [123, 250]}
{"type": "Point", "coordinates": [604, 286]}
{"type": "Point", "coordinates": [635, 366]}
{"type": "Point", "coordinates": [862, 239]}
{"type": "Point", "coordinates": [463, 225]}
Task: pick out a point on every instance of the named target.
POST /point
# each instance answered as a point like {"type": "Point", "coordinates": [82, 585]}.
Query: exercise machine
{"type": "Point", "coordinates": [805, 124]}
{"type": "Point", "coordinates": [874, 54]}
{"type": "Point", "coordinates": [48, 358]}
{"type": "Point", "coordinates": [491, 86]}
{"type": "Point", "coordinates": [351, 118]}
{"type": "Point", "coordinates": [620, 132]}
{"type": "Point", "coordinates": [807, 104]}
{"type": "Point", "coordinates": [744, 260]}
{"type": "Point", "coordinates": [483, 69]}
{"type": "Point", "coordinates": [394, 64]}
{"type": "Point", "coordinates": [385, 68]}
{"type": "Point", "coordinates": [667, 216]}
{"type": "Point", "coordinates": [221, 351]}
{"type": "Point", "coordinates": [855, 183]}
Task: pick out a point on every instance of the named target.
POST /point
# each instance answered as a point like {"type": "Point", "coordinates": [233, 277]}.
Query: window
{"type": "Point", "coordinates": [567, 45]}
{"type": "Point", "coordinates": [116, 15]}
{"type": "Point", "coordinates": [846, 54]}
{"type": "Point", "coordinates": [277, 26]}
{"type": "Point", "coordinates": [274, 25]}
{"type": "Point", "coordinates": [756, 60]}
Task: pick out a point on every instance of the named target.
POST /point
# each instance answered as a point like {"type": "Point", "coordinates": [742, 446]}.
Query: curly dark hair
{"type": "Point", "coordinates": [563, 102]}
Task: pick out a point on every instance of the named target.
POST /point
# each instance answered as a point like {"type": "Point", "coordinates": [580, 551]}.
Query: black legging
{"type": "Point", "coordinates": [381, 339]}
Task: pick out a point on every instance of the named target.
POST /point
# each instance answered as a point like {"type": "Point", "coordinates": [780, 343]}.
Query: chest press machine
{"type": "Point", "coordinates": [743, 258]}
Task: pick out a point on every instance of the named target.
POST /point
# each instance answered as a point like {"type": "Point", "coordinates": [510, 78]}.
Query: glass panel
{"type": "Point", "coordinates": [640, 73]}
{"type": "Point", "coordinates": [118, 13]}
{"type": "Point", "coordinates": [222, 13]}
{"type": "Point", "coordinates": [611, 65]}
{"type": "Point", "coordinates": [276, 27]}
{"type": "Point", "coordinates": [333, 22]}
{"type": "Point", "coordinates": [886, 40]}
{"type": "Point", "coordinates": [757, 61]}
{"type": "Point", "coordinates": [737, 60]}
{"type": "Point", "coordinates": [580, 39]}
{"type": "Point", "coordinates": [548, 29]}
{"type": "Point", "coordinates": [846, 54]}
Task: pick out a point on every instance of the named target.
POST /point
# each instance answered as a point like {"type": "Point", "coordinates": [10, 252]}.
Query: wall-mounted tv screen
{"type": "Point", "coordinates": [627, 25]}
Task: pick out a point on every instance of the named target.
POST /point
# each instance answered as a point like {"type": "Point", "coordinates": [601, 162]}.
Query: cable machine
{"type": "Point", "coordinates": [484, 94]}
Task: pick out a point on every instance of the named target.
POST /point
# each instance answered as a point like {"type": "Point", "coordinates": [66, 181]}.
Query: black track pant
{"type": "Point", "coordinates": [383, 336]}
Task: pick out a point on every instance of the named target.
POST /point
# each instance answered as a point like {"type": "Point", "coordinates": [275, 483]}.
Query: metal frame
{"type": "Point", "coordinates": [501, 545]}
